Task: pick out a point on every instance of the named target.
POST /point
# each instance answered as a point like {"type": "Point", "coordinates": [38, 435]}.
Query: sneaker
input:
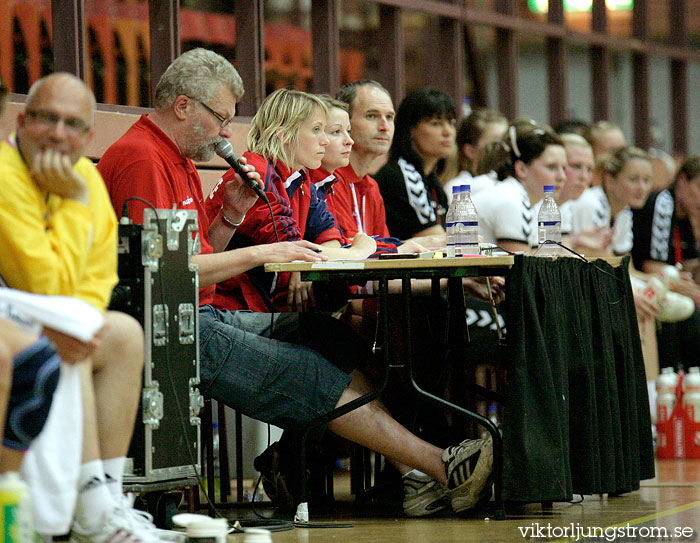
{"type": "Point", "coordinates": [275, 482]}
{"type": "Point", "coordinates": [423, 495]}
{"type": "Point", "coordinates": [468, 469]}
{"type": "Point", "coordinates": [146, 520]}
{"type": "Point", "coordinates": [119, 526]}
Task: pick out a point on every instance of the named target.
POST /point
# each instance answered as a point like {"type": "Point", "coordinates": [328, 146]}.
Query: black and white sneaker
{"type": "Point", "coordinates": [468, 469]}
{"type": "Point", "coordinates": [423, 495]}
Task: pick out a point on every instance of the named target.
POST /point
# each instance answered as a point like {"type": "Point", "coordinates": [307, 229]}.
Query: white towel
{"type": "Point", "coordinates": [52, 464]}
{"type": "Point", "coordinates": [62, 313]}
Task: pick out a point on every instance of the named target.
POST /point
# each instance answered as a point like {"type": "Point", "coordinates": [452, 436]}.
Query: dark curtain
{"type": "Point", "coordinates": [577, 414]}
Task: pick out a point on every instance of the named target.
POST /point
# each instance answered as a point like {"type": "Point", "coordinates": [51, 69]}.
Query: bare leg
{"type": "Point", "coordinates": [372, 427]}
{"type": "Point", "coordinates": [118, 367]}
{"type": "Point", "coordinates": [362, 386]}
{"type": "Point", "coordinates": [91, 447]}
{"type": "Point", "coordinates": [5, 385]}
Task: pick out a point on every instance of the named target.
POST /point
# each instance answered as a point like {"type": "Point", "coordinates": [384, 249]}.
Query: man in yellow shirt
{"type": "Point", "coordinates": [28, 391]}
{"type": "Point", "coordinates": [58, 235]}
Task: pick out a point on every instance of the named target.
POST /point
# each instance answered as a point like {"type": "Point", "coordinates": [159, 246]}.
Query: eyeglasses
{"type": "Point", "coordinates": [223, 120]}
{"type": "Point", "coordinates": [73, 125]}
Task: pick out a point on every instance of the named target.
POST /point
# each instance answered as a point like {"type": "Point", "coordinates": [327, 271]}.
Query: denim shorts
{"type": "Point", "coordinates": [35, 375]}
{"type": "Point", "coordinates": [286, 376]}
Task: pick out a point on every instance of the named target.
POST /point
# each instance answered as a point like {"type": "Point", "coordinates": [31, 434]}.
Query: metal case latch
{"type": "Point", "coordinates": [174, 225]}
{"type": "Point", "coordinates": [196, 402]}
{"type": "Point", "coordinates": [152, 402]}
{"type": "Point", "coordinates": [152, 249]}
{"type": "Point", "coordinates": [185, 319]}
{"type": "Point", "coordinates": [160, 324]}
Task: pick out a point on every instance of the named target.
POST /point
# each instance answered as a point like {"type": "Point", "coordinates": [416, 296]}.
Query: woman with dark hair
{"type": "Point", "coordinates": [424, 137]}
{"type": "Point", "coordinates": [478, 129]}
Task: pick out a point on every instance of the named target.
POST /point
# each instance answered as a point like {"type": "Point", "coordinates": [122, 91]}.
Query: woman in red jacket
{"type": "Point", "coordinates": [287, 138]}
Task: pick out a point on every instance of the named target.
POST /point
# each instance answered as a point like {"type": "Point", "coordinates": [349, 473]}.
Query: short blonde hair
{"type": "Point", "coordinates": [574, 140]}
{"type": "Point", "coordinates": [277, 122]}
{"type": "Point", "coordinates": [334, 102]}
{"type": "Point", "coordinates": [613, 163]}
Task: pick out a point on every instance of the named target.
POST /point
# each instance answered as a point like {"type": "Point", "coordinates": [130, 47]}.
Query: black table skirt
{"type": "Point", "coordinates": [577, 416]}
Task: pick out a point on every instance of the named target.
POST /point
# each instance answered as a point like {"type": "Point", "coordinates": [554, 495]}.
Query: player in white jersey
{"type": "Point", "coordinates": [529, 157]}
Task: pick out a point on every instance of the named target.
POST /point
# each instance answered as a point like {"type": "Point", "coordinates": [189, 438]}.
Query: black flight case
{"type": "Point", "coordinates": [158, 285]}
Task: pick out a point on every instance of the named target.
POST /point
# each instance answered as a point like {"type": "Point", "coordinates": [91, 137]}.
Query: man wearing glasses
{"type": "Point", "coordinates": [288, 373]}
{"type": "Point", "coordinates": [58, 235]}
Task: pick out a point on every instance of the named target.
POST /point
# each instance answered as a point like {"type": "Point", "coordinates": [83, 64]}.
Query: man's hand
{"type": "Point", "coordinates": [300, 294]}
{"type": "Point", "coordinates": [477, 287]}
{"type": "Point", "coordinates": [73, 350]}
{"type": "Point", "coordinates": [53, 172]}
{"type": "Point", "coordinates": [238, 196]}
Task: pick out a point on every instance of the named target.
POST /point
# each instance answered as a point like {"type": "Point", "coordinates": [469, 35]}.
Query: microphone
{"type": "Point", "coordinates": [225, 150]}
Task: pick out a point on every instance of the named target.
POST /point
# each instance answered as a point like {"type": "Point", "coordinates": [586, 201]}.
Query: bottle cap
{"type": "Point", "coordinates": [257, 535]}
{"type": "Point", "coordinates": [456, 189]}
{"type": "Point", "coordinates": [210, 530]}
{"type": "Point", "coordinates": [549, 188]}
{"type": "Point", "coordinates": [466, 188]}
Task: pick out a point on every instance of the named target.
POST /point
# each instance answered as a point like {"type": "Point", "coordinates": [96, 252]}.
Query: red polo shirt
{"type": "Point", "coordinates": [146, 163]}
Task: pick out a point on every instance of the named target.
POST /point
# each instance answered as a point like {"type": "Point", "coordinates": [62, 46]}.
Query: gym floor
{"type": "Point", "coordinates": [666, 508]}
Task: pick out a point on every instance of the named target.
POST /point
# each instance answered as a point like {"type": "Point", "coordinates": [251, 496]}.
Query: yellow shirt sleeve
{"type": "Point", "coordinates": [50, 245]}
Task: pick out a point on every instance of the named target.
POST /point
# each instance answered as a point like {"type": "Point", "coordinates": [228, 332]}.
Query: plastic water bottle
{"type": "Point", "coordinates": [466, 224]}
{"type": "Point", "coordinates": [215, 446]}
{"type": "Point", "coordinates": [691, 394]}
{"type": "Point", "coordinates": [450, 222]}
{"type": "Point", "coordinates": [666, 384]}
{"type": "Point", "coordinates": [492, 413]}
{"type": "Point", "coordinates": [548, 225]}
{"type": "Point", "coordinates": [15, 510]}
{"type": "Point", "coordinates": [257, 535]}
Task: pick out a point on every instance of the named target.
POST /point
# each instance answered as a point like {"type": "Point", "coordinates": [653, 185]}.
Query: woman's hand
{"type": "Point", "coordinates": [646, 309]}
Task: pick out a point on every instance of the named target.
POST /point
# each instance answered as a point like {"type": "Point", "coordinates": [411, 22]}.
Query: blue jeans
{"type": "Point", "coordinates": [287, 379]}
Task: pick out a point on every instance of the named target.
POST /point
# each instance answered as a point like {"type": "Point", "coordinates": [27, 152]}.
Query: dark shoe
{"type": "Point", "coordinates": [276, 479]}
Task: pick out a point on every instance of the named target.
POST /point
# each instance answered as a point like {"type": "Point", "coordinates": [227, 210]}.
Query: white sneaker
{"type": "Point", "coordinates": [675, 308]}
{"type": "Point", "coordinates": [146, 521]}
{"type": "Point", "coordinates": [121, 525]}
{"type": "Point", "coordinates": [468, 469]}
{"type": "Point", "coordinates": [423, 495]}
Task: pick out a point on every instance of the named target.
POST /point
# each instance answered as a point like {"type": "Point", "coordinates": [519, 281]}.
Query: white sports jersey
{"type": "Point", "coordinates": [592, 210]}
{"type": "Point", "coordinates": [504, 212]}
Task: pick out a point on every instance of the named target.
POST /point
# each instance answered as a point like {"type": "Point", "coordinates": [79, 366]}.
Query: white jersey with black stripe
{"type": "Point", "coordinates": [505, 212]}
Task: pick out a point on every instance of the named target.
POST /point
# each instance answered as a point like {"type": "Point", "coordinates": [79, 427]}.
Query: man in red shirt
{"type": "Point", "coordinates": [285, 368]}
{"type": "Point", "coordinates": [354, 199]}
